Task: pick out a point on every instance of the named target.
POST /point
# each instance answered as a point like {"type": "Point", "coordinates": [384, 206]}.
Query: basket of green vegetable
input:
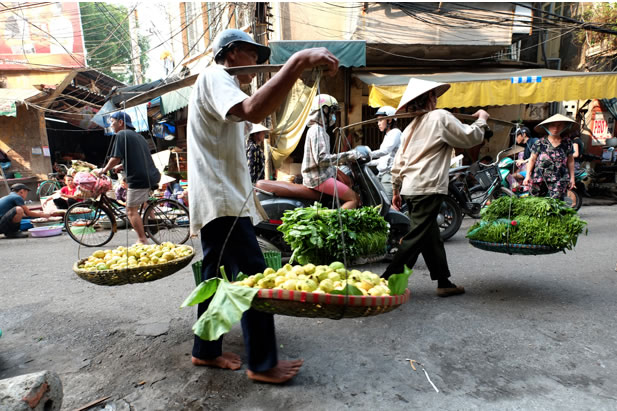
{"type": "Point", "coordinates": [527, 226]}
{"type": "Point", "coordinates": [320, 235]}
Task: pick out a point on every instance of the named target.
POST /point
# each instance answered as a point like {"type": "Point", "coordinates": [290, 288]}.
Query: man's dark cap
{"type": "Point", "coordinates": [19, 186]}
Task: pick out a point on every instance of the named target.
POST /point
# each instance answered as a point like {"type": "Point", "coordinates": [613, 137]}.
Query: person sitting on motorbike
{"type": "Point", "coordinates": [318, 165]}
{"type": "Point", "coordinates": [523, 138]}
{"type": "Point", "coordinates": [420, 177]}
{"type": "Point", "coordinates": [550, 171]}
{"type": "Point", "coordinates": [387, 149]}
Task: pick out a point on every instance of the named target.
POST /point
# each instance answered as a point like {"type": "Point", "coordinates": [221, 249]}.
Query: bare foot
{"type": "Point", "coordinates": [283, 372]}
{"type": "Point", "coordinates": [227, 360]}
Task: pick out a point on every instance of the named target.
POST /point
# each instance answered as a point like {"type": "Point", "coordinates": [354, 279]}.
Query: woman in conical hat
{"type": "Point", "coordinates": [550, 171]}
{"type": "Point", "coordinates": [420, 177]}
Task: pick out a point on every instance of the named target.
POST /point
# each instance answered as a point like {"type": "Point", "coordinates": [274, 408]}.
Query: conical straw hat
{"type": "Point", "coordinates": [416, 87]}
{"type": "Point", "coordinates": [554, 119]}
{"type": "Point", "coordinates": [256, 128]}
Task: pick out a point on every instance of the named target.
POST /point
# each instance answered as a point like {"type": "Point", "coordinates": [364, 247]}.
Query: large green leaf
{"type": "Point", "coordinates": [397, 283]}
{"type": "Point", "coordinates": [226, 309]}
{"type": "Point", "coordinates": [202, 292]}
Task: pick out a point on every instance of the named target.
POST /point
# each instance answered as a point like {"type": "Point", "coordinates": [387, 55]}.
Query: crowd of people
{"type": "Point", "coordinates": [225, 148]}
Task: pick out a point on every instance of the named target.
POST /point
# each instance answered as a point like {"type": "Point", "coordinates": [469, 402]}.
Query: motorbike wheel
{"type": "Point", "coordinates": [450, 218]}
{"type": "Point", "coordinates": [573, 199]}
{"type": "Point", "coordinates": [502, 191]}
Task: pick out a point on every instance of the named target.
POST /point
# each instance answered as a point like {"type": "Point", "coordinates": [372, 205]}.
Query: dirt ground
{"type": "Point", "coordinates": [531, 333]}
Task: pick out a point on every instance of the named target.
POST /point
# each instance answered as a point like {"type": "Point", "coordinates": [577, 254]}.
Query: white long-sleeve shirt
{"type": "Point", "coordinates": [387, 151]}
{"type": "Point", "coordinates": [422, 162]}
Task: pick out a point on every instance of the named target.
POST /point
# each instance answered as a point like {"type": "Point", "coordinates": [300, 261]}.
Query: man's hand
{"type": "Point", "coordinates": [572, 185]}
{"type": "Point", "coordinates": [526, 181]}
{"type": "Point", "coordinates": [117, 169]}
{"type": "Point", "coordinates": [397, 201]}
{"type": "Point", "coordinates": [481, 114]}
{"type": "Point", "coordinates": [96, 172]}
{"type": "Point", "coordinates": [319, 56]}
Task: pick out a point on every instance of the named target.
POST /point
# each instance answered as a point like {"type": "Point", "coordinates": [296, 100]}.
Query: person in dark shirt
{"type": "Point", "coordinates": [12, 210]}
{"type": "Point", "coordinates": [131, 149]}
{"type": "Point", "coordinates": [255, 152]}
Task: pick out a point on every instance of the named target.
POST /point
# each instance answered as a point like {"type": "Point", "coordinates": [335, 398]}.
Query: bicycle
{"type": "Point", "coordinates": [93, 222]}
{"type": "Point", "coordinates": [52, 184]}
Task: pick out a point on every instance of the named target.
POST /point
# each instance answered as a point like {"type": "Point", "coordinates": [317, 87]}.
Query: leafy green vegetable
{"type": "Point", "coordinates": [202, 292]}
{"type": "Point", "coordinates": [529, 220]}
{"type": "Point", "coordinates": [319, 235]}
{"type": "Point", "coordinates": [397, 283]}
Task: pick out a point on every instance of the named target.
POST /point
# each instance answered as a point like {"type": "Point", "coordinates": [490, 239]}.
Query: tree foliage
{"type": "Point", "coordinates": [99, 20]}
{"type": "Point", "coordinates": [603, 15]}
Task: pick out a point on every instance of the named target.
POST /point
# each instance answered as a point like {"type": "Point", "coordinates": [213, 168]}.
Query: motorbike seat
{"type": "Point", "coordinates": [287, 189]}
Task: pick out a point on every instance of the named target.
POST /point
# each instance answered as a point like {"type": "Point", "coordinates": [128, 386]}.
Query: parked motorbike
{"type": "Point", "coordinates": [599, 178]}
{"type": "Point", "coordinates": [474, 186]}
{"type": "Point", "coordinates": [276, 197]}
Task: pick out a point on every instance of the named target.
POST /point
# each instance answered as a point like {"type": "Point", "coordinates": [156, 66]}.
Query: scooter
{"type": "Point", "coordinates": [476, 185]}
{"type": "Point", "coordinates": [276, 197]}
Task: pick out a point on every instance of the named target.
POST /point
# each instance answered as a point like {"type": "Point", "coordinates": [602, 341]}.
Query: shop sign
{"type": "Point", "coordinates": [602, 127]}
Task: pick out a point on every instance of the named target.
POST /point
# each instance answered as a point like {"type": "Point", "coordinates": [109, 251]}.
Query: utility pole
{"type": "Point", "coordinates": [260, 34]}
{"type": "Point", "coordinates": [135, 50]}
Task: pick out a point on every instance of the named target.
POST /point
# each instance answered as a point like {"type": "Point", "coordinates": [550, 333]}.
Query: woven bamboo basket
{"type": "Point", "coordinates": [522, 249]}
{"type": "Point", "coordinates": [317, 305]}
{"type": "Point", "coordinates": [133, 275]}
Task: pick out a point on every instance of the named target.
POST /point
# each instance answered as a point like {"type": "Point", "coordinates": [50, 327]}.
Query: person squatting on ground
{"type": "Point", "coordinates": [222, 198]}
{"type": "Point", "coordinates": [318, 165]}
{"type": "Point", "coordinates": [550, 171]}
{"type": "Point", "coordinates": [13, 208]}
{"type": "Point", "coordinates": [131, 149]}
{"type": "Point", "coordinates": [255, 157]}
{"type": "Point", "coordinates": [420, 177]}
{"type": "Point", "coordinates": [384, 157]}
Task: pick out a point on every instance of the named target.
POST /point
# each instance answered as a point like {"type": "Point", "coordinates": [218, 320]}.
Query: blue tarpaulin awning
{"type": "Point", "coordinates": [351, 53]}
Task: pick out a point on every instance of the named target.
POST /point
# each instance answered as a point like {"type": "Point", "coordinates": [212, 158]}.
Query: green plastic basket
{"type": "Point", "coordinates": [196, 266]}
{"type": "Point", "coordinates": [273, 259]}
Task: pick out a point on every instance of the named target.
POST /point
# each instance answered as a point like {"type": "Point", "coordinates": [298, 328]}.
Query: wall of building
{"type": "Point", "coordinates": [383, 23]}
{"type": "Point", "coordinates": [22, 138]}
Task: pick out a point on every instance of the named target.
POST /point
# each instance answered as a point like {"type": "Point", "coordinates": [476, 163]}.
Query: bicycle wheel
{"type": "Point", "coordinates": [89, 223]}
{"type": "Point", "coordinates": [167, 220]}
{"type": "Point", "coordinates": [47, 188]}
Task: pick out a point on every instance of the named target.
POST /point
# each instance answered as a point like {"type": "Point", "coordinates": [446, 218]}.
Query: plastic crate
{"type": "Point", "coordinates": [487, 176]}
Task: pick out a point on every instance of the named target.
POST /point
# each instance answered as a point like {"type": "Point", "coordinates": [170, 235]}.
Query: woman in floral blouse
{"type": "Point", "coordinates": [255, 152]}
{"type": "Point", "coordinates": [550, 170]}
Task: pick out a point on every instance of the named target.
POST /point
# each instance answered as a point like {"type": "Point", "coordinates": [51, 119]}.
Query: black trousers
{"type": "Point", "coordinates": [241, 254]}
{"type": "Point", "coordinates": [63, 203]}
{"type": "Point", "coordinates": [424, 237]}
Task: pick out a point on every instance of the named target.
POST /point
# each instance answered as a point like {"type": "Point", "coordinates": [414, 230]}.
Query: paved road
{"type": "Point", "coordinates": [532, 333]}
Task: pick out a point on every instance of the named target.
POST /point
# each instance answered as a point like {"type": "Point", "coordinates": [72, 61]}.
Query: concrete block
{"type": "Point", "coordinates": [40, 391]}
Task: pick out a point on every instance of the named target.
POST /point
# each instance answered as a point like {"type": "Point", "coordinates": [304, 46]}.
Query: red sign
{"type": "Point", "coordinates": [40, 36]}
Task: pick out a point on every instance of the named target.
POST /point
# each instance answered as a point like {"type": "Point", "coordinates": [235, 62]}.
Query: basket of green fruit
{"type": "Point", "coordinates": [323, 291]}
{"type": "Point", "coordinates": [301, 291]}
{"type": "Point", "coordinates": [138, 263]}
